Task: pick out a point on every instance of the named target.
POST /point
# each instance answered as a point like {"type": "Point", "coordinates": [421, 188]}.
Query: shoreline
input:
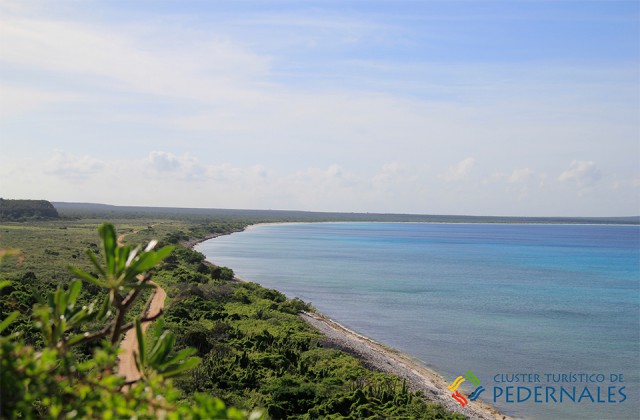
{"type": "Point", "coordinates": [380, 358]}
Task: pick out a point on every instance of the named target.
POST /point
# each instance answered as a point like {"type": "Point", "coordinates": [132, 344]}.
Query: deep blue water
{"type": "Point", "coordinates": [493, 299]}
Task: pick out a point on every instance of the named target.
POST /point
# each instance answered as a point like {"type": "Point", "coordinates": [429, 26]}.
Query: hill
{"type": "Point", "coordinates": [21, 210]}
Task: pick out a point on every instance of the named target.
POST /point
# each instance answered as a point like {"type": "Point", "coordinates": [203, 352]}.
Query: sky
{"type": "Point", "coordinates": [513, 108]}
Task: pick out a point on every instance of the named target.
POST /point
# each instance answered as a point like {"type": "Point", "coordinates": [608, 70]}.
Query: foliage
{"type": "Point", "coordinates": [51, 382]}
{"type": "Point", "coordinates": [21, 210]}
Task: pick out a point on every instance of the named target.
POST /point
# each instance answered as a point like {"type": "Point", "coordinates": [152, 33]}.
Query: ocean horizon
{"type": "Point", "coordinates": [546, 317]}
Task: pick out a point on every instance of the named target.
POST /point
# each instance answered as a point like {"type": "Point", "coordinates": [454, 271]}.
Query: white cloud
{"type": "Point", "coordinates": [520, 175]}
{"type": "Point", "coordinates": [164, 161]}
{"type": "Point", "coordinates": [211, 69]}
{"type": "Point", "coordinates": [168, 164]}
{"type": "Point", "coordinates": [459, 171]}
{"type": "Point", "coordinates": [517, 176]}
{"type": "Point", "coordinates": [584, 173]}
{"type": "Point", "coordinates": [332, 177]}
{"type": "Point", "coordinates": [73, 167]}
{"type": "Point", "coordinates": [385, 178]}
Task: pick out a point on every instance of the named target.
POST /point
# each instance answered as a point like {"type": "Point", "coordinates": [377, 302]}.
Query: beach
{"type": "Point", "coordinates": [380, 358]}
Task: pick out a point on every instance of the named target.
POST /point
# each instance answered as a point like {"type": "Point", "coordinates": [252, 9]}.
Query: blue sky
{"type": "Point", "coordinates": [459, 107]}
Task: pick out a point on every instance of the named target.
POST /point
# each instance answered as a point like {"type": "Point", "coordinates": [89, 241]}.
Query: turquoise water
{"type": "Point", "coordinates": [498, 300]}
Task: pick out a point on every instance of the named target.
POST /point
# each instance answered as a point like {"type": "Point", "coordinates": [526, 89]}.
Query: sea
{"type": "Point", "coordinates": [544, 318]}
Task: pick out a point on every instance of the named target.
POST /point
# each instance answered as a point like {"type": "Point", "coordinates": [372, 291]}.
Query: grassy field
{"type": "Point", "coordinates": [48, 247]}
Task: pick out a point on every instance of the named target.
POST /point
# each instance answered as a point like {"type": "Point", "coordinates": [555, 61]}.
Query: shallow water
{"type": "Point", "coordinates": [493, 299]}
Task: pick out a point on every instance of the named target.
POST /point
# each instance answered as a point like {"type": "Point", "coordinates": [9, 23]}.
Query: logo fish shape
{"type": "Point", "coordinates": [460, 398]}
{"type": "Point", "coordinates": [456, 383]}
{"type": "Point", "coordinates": [476, 393]}
{"type": "Point", "coordinates": [472, 378]}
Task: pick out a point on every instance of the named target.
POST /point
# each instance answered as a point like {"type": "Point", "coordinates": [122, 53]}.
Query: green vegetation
{"type": "Point", "coordinates": [255, 352]}
{"type": "Point", "coordinates": [53, 382]}
{"type": "Point", "coordinates": [21, 210]}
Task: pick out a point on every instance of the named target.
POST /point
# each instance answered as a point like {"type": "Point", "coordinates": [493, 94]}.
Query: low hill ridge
{"type": "Point", "coordinates": [20, 210]}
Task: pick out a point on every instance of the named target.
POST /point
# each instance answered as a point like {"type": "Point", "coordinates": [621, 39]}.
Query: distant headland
{"type": "Point", "coordinates": [22, 210]}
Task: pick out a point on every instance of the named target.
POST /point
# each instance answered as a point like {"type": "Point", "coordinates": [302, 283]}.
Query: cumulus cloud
{"type": "Point", "coordinates": [384, 179]}
{"type": "Point", "coordinates": [184, 166]}
{"type": "Point", "coordinates": [459, 171]}
{"type": "Point", "coordinates": [583, 172]}
{"type": "Point", "coordinates": [164, 161]}
{"type": "Point", "coordinates": [520, 175]}
{"type": "Point", "coordinates": [73, 167]}
{"type": "Point", "coordinates": [334, 176]}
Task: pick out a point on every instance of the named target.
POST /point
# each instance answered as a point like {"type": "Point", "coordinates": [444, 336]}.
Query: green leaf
{"type": "Point", "coordinates": [51, 301]}
{"type": "Point", "coordinates": [8, 320]}
{"type": "Point", "coordinates": [60, 300]}
{"type": "Point", "coordinates": [162, 348]}
{"type": "Point", "coordinates": [179, 357]}
{"type": "Point", "coordinates": [182, 367]}
{"type": "Point", "coordinates": [149, 259]}
{"type": "Point", "coordinates": [95, 262]}
{"type": "Point", "coordinates": [140, 338]}
{"type": "Point", "coordinates": [164, 252]}
{"type": "Point", "coordinates": [76, 338]}
{"type": "Point", "coordinates": [109, 243]}
{"type": "Point", "coordinates": [4, 284]}
{"type": "Point", "coordinates": [136, 360]}
{"type": "Point", "coordinates": [86, 276]}
{"type": "Point", "coordinates": [158, 329]}
{"type": "Point", "coordinates": [106, 305]}
{"type": "Point", "coordinates": [145, 261]}
{"type": "Point", "coordinates": [122, 255]}
{"type": "Point", "coordinates": [58, 330]}
{"type": "Point", "coordinates": [78, 316]}
{"type": "Point", "coordinates": [74, 289]}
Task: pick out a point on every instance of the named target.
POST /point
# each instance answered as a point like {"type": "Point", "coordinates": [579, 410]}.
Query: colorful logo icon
{"type": "Point", "coordinates": [458, 381]}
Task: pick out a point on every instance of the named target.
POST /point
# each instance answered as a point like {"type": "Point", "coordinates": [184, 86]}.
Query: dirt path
{"type": "Point", "coordinates": [126, 361]}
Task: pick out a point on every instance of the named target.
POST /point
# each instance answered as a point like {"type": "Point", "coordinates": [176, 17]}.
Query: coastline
{"type": "Point", "coordinates": [380, 358]}
{"type": "Point", "coordinates": [191, 243]}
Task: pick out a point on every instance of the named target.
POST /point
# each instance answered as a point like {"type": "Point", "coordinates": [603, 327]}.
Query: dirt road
{"type": "Point", "coordinates": [126, 362]}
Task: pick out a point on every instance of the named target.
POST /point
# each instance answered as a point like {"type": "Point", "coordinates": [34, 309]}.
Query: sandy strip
{"type": "Point", "coordinates": [379, 358]}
